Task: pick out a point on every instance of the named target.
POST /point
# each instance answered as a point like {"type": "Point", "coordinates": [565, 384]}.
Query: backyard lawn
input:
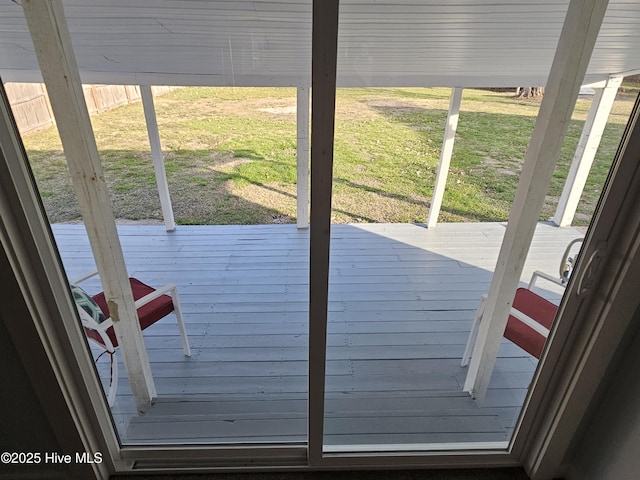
{"type": "Point", "coordinates": [230, 156]}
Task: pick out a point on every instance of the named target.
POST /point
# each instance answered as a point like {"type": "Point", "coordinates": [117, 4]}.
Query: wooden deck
{"type": "Point", "coordinates": [402, 298]}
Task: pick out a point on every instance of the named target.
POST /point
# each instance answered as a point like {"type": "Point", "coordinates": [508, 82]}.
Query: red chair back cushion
{"type": "Point", "coordinates": [539, 309]}
{"type": "Point", "coordinates": [148, 314]}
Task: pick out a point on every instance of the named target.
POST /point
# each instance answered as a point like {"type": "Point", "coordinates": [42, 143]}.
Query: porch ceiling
{"type": "Point", "coordinates": [268, 43]}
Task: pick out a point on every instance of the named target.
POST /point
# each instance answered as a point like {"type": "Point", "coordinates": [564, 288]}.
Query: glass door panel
{"type": "Point", "coordinates": [403, 292]}
{"type": "Point", "coordinates": [240, 264]}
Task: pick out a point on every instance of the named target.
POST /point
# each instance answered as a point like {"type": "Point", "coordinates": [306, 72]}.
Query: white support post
{"type": "Point", "coordinates": [578, 37]}
{"type": "Point", "coordinates": [585, 152]}
{"type": "Point", "coordinates": [303, 157]}
{"type": "Point", "coordinates": [156, 155]}
{"type": "Point", "coordinates": [52, 42]}
{"type": "Point", "coordinates": [445, 156]}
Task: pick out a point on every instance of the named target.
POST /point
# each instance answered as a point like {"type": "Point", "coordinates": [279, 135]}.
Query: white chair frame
{"type": "Point", "coordinates": [101, 329]}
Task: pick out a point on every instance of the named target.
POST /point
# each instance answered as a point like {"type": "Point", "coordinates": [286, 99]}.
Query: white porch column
{"type": "Point", "coordinates": [52, 43]}
{"type": "Point", "coordinates": [156, 155]}
{"type": "Point", "coordinates": [445, 156]}
{"type": "Point", "coordinates": [302, 153]}
{"type": "Point", "coordinates": [585, 152]}
{"type": "Point", "coordinates": [570, 62]}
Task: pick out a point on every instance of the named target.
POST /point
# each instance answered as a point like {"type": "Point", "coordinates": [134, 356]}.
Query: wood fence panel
{"type": "Point", "coordinates": [109, 96]}
{"type": "Point", "coordinates": [133, 93]}
{"type": "Point", "coordinates": [30, 106]}
{"type": "Point", "coordinates": [162, 89]}
{"type": "Point", "coordinates": [90, 99]}
{"type": "Point", "coordinates": [32, 111]}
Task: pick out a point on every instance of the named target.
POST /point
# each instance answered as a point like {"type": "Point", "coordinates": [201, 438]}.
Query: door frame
{"type": "Point", "coordinates": [564, 385]}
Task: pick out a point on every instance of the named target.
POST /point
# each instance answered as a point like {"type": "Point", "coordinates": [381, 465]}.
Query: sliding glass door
{"type": "Point", "coordinates": [338, 346]}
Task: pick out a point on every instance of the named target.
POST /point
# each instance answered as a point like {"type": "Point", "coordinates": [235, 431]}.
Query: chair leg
{"type": "Point", "coordinates": [113, 386]}
{"type": "Point", "coordinates": [473, 334]}
{"type": "Point", "coordinates": [181, 326]}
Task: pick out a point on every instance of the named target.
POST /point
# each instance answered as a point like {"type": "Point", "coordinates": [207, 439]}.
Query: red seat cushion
{"type": "Point", "coordinates": [539, 309]}
{"type": "Point", "coordinates": [148, 314]}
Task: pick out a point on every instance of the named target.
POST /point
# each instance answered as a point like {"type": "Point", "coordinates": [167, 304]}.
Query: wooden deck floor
{"type": "Point", "coordinates": [402, 298]}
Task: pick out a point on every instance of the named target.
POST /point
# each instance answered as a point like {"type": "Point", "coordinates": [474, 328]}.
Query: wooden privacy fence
{"type": "Point", "coordinates": [32, 111]}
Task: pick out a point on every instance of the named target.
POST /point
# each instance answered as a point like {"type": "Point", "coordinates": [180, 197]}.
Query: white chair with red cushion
{"type": "Point", "coordinates": [151, 304]}
{"type": "Point", "coordinates": [531, 315]}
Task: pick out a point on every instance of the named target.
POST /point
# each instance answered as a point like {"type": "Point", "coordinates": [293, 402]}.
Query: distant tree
{"type": "Point", "coordinates": [529, 92]}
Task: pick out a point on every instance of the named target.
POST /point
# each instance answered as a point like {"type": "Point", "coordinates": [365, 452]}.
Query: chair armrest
{"type": "Point", "coordinates": [85, 277]}
{"type": "Point", "coordinates": [560, 280]}
{"type": "Point", "coordinates": [567, 252]}
{"type": "Point", "coordinates": [538, 274]}
{"type": "Point", "coordinates": [153, 295]}
{"type": "Point", "coordinates": [530, 322]}
{"type": "Point", "coordinates": [100, 328]}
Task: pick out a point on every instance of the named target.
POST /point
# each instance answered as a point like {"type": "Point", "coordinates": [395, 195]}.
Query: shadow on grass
{"type": "Point", "coordinates": [487, 157]}
{"type": "Point", "coordinates": [202, 190]}
{"type": "Point", "coordinates": [206, 187]}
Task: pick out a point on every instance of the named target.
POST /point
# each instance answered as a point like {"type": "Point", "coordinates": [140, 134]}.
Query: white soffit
{"type": "Point", "coordinates": [463, 43]}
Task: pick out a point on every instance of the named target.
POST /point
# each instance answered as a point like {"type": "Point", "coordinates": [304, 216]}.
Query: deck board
{"type": "Point", "coordinates": [401, 301]}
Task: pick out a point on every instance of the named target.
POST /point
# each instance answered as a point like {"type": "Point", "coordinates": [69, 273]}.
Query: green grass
{"type": "Point", "coordinates": [230, 156]}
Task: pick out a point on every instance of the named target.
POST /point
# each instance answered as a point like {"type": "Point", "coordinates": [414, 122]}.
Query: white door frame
{"type": "Point", "coordinates": [599, 306]}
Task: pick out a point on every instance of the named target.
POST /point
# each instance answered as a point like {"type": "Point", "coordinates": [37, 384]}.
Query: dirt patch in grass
{"type": "Point", "coordinates": [398, 108]}
{"type": "Point", "coordinates": [288, 110]}
{"type": "Point", "coordinates": [278, 107]}
{"type": "Point", "coordinates": [226, 161]}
